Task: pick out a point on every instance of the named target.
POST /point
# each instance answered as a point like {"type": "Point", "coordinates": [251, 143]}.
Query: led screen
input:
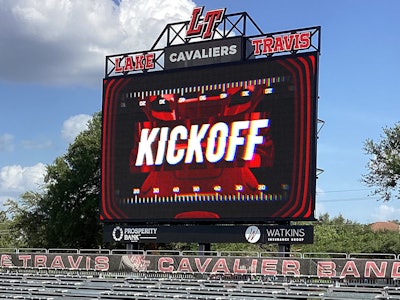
{"type": "Point", "coordinates": [223, 143]}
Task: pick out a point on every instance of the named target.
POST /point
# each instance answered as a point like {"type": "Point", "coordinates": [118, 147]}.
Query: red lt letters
{"type": "Point", "coordinates": [204, 28]}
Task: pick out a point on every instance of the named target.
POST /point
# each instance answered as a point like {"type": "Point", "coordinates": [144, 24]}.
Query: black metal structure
{"type": "Point", "coordinates": [232, 25]}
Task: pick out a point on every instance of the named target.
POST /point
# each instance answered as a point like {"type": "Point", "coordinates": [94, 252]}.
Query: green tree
{"type": "Point", "coordinates": [5, 233]}
{"type": "Point", "coordinates": [384, 165]}
{"type": "Point", "coordinates": [66, 213]}
{"type": "Point", "coordinates": [336, 235]}
{"type": "Point", "coordinates": [339, 235]}
{"type": "Point", "coordinates": [27, 221]}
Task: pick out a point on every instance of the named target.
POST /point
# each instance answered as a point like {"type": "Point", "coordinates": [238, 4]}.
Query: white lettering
{"type": "Point", "coordinates": [194, 143]}
{"type": "Point", "coordinates": [145, 146]}
{"type": "Point", "coordinates": [235, 139]}
{"type": "Point", "coordinates": [181, 144]}
{"type": "Point", "coordinates": [253, 138]}
{"type": "Point", "coordinates": [216, 147]}
{"type": "Point", "coordinates": [173, 57]}
{"type": "Point", "coordinates": [175, 156]}
{"type": "Point", "coordinates": [203, 53]}
{"type": "Point", "coordinates": [161, 145]}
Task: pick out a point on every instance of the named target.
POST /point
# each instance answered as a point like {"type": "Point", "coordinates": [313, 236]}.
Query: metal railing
{"type": "Point", "coordinates": [319, 255]}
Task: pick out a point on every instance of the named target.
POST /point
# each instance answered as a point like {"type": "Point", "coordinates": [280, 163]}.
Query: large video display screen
{"type": "Point", "coordinates": [224, 143]}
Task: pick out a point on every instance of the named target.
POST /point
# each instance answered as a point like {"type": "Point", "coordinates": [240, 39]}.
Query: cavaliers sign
{"type": "Point", "coordinates": [204, 53]}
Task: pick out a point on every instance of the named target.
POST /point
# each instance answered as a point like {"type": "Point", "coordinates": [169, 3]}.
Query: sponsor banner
{"type": "Point", "coordinates": [265, 266]}
{"type": "Point", "coordinates": [204, 53]}
{"type": "Point", "coordinates": [210, 234]}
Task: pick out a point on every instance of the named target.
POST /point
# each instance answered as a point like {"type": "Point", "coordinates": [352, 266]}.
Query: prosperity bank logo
{"type": "Point", "coordinates": [117, 233]}
{"type": "Point", "coordinates": [220, 141]}
{"type": "Point", "coordinates": [134, 234]}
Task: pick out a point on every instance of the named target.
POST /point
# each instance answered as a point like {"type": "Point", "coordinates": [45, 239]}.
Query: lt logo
{"type": "Point", "coordinates": [204, 27]}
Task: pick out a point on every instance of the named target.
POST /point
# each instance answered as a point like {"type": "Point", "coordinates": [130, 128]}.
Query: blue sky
{"type": "Point", "coordinates": [52, 65]}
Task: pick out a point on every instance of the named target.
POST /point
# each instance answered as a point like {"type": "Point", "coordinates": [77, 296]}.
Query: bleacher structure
{"type": "Point", "coordinates": [18, 285]}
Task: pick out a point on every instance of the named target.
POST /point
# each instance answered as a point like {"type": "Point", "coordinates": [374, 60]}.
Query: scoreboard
{"type": "Point", "coordinates": [225, 143]}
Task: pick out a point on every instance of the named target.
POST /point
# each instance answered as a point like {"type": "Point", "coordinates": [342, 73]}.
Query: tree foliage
{"type": "Point", "coordinates": [5, 236]}
{"type": "Point", "coordinates": [28, 221]}
{"type": "Point", "coordinates": [384, 165]}
{"type": "Point", "coordinates": [66, 213]}
{"type": "Point", "coordinates": [340, 235]}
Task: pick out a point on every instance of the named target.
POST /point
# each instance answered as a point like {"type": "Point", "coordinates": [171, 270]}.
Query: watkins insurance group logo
{"type": "Point", "coordinates": [252, 234]}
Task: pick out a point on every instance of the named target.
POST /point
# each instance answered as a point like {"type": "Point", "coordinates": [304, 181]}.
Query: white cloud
{"type": "Point", "coordinates": [15, 180]}
{"type": "Point", "coordinates": [6, 142]}
{"type": "Point", "coordinates": [320, 209]}
{"type": "Point", "coordinates": [73, 126]}
{"type": "Point", "coordinates": [18, 179]}
{"type": "Point", "coordinates": [320, 192]}
{"type": "Point", "coordinates": [386, 213]}
{"type": "Point", "coordinates": [66, 41]}
{"type": "Point", "coordinates": [30, 144]}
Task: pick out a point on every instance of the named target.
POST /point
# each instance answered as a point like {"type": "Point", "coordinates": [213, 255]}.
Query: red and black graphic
{"type": "Point", "coordinates": [229, 143]}
{"type": "Point", "coordinates": [205, 135]}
